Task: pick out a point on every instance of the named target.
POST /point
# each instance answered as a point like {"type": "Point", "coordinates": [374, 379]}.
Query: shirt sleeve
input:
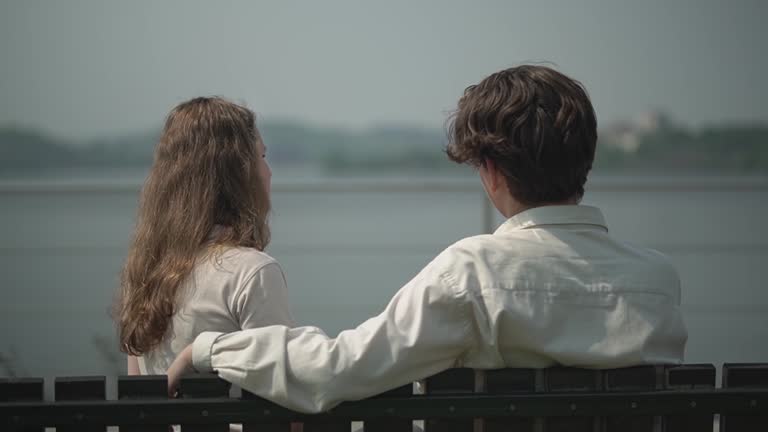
{"type": "Point", "coordinates": [263, 299]}
{"type": "Point", "coordinates": [424, 329]}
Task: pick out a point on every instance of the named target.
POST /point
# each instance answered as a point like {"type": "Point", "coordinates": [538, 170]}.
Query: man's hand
{"type": "Point", "coordinates": [180, 367]}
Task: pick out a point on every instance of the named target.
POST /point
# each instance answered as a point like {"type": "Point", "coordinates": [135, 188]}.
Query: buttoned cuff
{"type": "Point", "coordinates": [201, 351]}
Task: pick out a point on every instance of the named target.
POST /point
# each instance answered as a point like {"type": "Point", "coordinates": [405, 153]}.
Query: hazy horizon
{"type": "Point", "coordinates": [83, 69]}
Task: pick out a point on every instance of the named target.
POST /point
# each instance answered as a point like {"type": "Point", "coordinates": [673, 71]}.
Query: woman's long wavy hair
{"type": "Point", "coordinates": [205, 174]}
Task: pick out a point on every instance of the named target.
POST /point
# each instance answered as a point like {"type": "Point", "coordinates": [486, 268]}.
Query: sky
{"type": "Point", "coordinates": [90, 68]}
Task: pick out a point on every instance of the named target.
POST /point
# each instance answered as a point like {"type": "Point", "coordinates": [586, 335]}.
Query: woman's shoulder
{"type": "Point", "coordinates": [248, 257]}
{"type": "Point", "coordinates": [228, 273]}
{"type": "Point", "coordinates": [241, 260]}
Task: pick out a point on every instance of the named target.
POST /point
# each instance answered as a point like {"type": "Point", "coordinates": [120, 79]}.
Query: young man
{"type": "Point", "coordinates": [550, 286]}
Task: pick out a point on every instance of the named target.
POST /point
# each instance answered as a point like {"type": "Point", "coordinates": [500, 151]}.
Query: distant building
{"type": "Point", "coordinates": [627, 136]}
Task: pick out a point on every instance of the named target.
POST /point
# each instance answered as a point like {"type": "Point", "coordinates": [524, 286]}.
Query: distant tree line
{"type": "Point", "coordinates": [725, 149]}
{"type": "Point", "coordinates": [671, 149]}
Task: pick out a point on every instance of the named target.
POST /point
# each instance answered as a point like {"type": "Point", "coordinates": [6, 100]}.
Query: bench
{"type": "Point", "coordinates": [643, 398]}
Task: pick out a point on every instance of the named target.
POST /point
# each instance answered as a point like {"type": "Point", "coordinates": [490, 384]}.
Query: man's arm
{"type": "Point", "coordinates": [425, 328]}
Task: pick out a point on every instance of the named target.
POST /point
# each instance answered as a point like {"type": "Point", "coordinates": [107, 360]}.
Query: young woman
{"type": "Point", "coordinates": [197, 260]}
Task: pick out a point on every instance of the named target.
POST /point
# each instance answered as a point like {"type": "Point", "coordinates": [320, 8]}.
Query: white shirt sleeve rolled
{"type": "Point", "coordinates": [422, 331]}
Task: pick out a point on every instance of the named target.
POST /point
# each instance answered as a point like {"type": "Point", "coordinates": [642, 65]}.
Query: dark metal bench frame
{"type": "Point", "coordinates": [646, 398]}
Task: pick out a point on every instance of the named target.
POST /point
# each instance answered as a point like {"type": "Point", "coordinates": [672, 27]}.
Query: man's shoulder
{"type": "Point", "coordinates": [652, 259]}
{"type": "Point", "coordinates": [470, 247]}
{"type": "Point", "coordinates": [470, 255]}
{"type": "Point", "coordinates": [494, 255]}
{"type": "Point", "coordinates": [510, 245]}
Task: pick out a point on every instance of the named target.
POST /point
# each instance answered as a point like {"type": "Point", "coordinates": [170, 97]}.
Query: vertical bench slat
{"type": "Point", "coordinates": [326, 426]}
{"type": "Point", "coordinates": [690, 377]}
{"type": "Point", "coordinates": [266, 426]}
{"type": "Point", "coordinates": [508, 381]}
{"type": "Point", "coordinates": [394, 425]}
{"type": "Point", "coordinates": [204, 386]}
{"type": "Point", "coordinates": [640, 378]}
{"type": "Point", "coordinates": [452, 381]}
{"type": "Point", "coordinates": [745, 375]}
{"type": "Point", "coordinates": [571, 380]}
{"type": "Point", "coordinates": [22, 390]}
{"type": "Point", "coordinates": [80, 389]}
{"type": "Point", "coordinates": [139, 387]}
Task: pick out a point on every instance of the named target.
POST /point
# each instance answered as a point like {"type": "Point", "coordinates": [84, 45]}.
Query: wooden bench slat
{"type": "Point", "coordinates": [204, 386]}
{"type": "Point", "coordinates": [506, 381]}
{"type": "Point", "coordinates": [22, 390]}
{"type": "Point", "coordinates": [689, 377]}
{"type": "Point", "coordinates": [324, 425]}
{"type": "Point", "coordinates": [567, 380]}
{"type": "Point", "coordinates": [451, 381]}
{"type": "Point", "coordinates": [276, 426]}
{"type": "Point", "coordinates": [745, 375]}
{"type": "Point", "coordinates": [394, 425]}
{"type": "Point", "coordinates": [140, 387]}
{"type": "Point", "coordinates": [638, 378]}
{"type": "Point", "coordinates": [77, 389]}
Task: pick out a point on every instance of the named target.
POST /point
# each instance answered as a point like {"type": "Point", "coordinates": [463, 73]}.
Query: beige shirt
{"type": "Point", "coordinates": [242, 288]}
{"type": "Point", "coordinates": [550, 286]}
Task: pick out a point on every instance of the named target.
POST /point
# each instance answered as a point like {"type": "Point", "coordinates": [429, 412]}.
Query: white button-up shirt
{"type": "Point", "coordinates": [550, 286]}
{"type": "Point", "coordinates": [229, 290]}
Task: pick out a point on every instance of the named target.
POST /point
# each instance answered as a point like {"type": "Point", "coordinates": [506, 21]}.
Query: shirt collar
{"type": "Point", "coordinates": [215, 232]}
{"type": "Point", "coordinates": [554, 215]}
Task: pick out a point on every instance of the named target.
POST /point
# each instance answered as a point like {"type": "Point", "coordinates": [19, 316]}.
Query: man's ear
{"type": "Point", "coordinates": [494, 178]}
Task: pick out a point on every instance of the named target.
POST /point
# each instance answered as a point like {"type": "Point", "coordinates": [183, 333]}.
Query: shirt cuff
{"type": "Point", "coordinates": [201, 351]}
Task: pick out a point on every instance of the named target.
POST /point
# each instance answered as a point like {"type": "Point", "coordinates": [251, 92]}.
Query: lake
{"type": "Point", "coordinates": [348, 244]}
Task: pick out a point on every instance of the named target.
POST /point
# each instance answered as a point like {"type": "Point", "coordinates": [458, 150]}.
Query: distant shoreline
{"type": "Point", "coordinates": [127, 183]}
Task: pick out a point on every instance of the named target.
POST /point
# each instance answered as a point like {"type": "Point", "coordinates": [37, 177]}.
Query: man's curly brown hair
{"type": "Point", "coordinates": [536, 125]}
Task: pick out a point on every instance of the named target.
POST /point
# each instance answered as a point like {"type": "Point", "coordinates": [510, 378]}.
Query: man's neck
{"type": "Point", "coordinates": [513, 207]}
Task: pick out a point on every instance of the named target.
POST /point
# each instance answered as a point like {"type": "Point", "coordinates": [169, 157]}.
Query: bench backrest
{"type": "Point", "coordinates": [644, 398]}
